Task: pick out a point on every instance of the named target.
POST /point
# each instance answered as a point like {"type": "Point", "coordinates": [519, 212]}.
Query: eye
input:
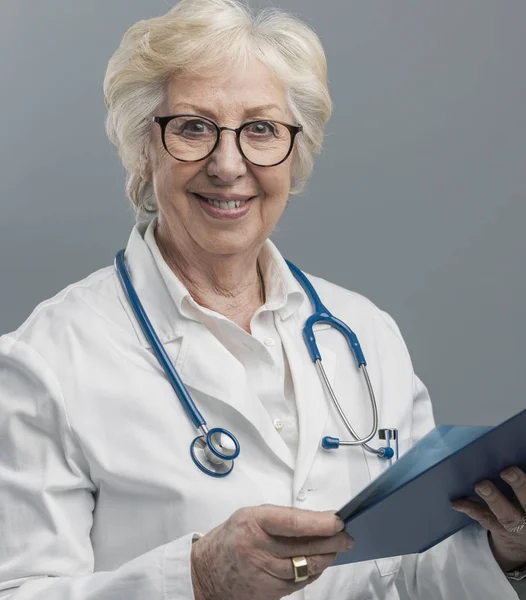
{"type": "Point", "coordinates": [260, 128]}
{"type": "Point", "coordinates": [190, 128]}
{"type": "Point", "coordinates": [197, 127]}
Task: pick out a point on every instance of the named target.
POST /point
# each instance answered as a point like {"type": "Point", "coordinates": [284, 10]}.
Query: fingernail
{"type": "Point", "coordinates": [349, 543]}
{"type": "Point", "coordinates": [510, 475]}
{"type": "Point", "coordinates": [485, 490]}
{"type": "Point", "coordinates": [340, 525]}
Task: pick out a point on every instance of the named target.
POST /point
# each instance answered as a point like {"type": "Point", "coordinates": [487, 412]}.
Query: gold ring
{"type": "Point", "coordinates": [301, 571]}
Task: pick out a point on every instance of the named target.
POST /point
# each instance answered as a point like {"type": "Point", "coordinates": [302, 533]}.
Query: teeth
{"type": "Point", "coordinates": [226, 205]}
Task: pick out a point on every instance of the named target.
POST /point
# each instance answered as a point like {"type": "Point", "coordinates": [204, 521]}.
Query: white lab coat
{"type": "Point", "coordinates": [99, 498]}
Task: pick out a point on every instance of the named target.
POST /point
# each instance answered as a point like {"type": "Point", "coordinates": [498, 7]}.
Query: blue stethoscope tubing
{"type": "Point", "coordinates": [322, 314]}
{"type": "Point", "coordinates": [223, 461]}
{"type": "Point", "coordinates": [217, 446]}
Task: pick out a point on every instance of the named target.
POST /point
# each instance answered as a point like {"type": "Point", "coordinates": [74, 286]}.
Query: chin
{"type": "Point", "coordinates": [228, 244]}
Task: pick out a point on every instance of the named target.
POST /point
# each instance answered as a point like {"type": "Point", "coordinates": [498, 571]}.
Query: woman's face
{"type": "Point", "coordinates": [191, 222]}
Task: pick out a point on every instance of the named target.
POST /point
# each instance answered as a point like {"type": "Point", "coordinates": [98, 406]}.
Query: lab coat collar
{"type": "Point", "coordinates": [151, 290]}
{"type": "Point", "coordinates": [283, 293]}
{"type": "Point", "coordinates": [169, 304]}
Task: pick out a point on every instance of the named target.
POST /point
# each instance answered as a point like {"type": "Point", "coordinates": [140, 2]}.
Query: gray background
{"type": "Point", "coordinates": [416, 202]}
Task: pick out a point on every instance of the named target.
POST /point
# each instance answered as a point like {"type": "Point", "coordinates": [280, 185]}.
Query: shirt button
{"type": "Point", "coordinates": [302, 494]}
{"type": "Point", "coordinates": [278, 424]}
{"type": "Point", "coordinates": [269, 341]}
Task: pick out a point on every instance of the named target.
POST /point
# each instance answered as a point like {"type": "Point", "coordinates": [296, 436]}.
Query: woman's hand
{"type": "Point", "coordinates": [508, 548]}
{"type": "Point", "coordinates": [249, 555]}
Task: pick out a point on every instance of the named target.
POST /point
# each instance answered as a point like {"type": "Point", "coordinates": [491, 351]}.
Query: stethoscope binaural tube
{"type": "Point", "coordinates": [323, 315]}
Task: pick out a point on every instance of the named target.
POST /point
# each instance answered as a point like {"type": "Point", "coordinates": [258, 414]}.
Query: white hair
{"type": "Point", "coordinates": [204, 37]}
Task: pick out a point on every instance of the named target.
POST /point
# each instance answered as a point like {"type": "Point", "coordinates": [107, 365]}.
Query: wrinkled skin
{"type": "Point", "coordinates": [498, 513]}
{"type": "Point", "coordinates": [249, 555]}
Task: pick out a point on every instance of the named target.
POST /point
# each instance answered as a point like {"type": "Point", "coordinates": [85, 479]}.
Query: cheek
{"type": "Point", "coordinates": [276, 183]}
{"type": "Point", "coordinates": [171, 180]}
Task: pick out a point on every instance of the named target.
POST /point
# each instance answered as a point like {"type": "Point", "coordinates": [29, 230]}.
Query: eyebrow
{"type": "Point", "coordinates": [249, 112]}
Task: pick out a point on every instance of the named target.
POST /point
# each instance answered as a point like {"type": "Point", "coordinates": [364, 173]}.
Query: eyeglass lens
{"type": "Point", "coordinates": [262, 142]}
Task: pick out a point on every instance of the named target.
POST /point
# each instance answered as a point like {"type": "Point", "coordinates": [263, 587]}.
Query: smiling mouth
{"type": "Point", "coordinates": [223, 205]}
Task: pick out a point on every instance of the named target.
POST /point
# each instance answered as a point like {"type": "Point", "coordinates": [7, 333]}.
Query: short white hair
{"type": "Point", "coordinates": [203, 37]}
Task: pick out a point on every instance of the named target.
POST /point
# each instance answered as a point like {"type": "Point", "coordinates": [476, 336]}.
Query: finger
{"type": "Point", "coordinates": [479, 513]}
{"type": "Point", "coordinates": [296, 522]}
{"type": "Point", "coordinates": [289, 586]}
{"type": "Point", "coordinates": [516, 479]}
{"type": "Point", "coordinates": [506, 512]}
{"type": "Point", "coordinates": [283, 568]}
{"type": "Point", "coordinates": [285, 547]}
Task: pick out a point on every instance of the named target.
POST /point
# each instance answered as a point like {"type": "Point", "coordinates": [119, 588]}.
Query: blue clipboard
{"type": "Point", "coordinates": [407, 509]}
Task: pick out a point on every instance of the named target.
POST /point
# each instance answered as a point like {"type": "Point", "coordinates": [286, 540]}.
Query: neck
{"type": "Point", "coordinates": [230, 285]}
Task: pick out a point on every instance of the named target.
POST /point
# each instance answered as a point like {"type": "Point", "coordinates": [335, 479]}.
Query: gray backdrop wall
{"type": "Point", "coordinates": [416, 202]}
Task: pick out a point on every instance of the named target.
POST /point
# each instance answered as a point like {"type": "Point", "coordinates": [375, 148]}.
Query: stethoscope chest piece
{"type": "Point", "coordinates": [215, 452]}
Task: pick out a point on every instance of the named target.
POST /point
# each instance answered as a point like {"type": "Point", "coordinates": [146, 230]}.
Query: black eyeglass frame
{"type": "Point", "coordinates": [293, 129]}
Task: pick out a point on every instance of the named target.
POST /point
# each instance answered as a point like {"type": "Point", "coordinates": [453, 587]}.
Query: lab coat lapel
{"type": "Point", "coordinates": [152, 291]}
{"type": "Point", "coordinates": [312, 400]}
{"type": "Point", "coordinates": [222, 378]}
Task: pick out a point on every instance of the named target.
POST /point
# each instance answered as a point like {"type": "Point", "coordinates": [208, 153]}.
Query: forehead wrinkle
{"type": "Point", "coordinates": [246, 112]}
{"type": "Point", "coordinates": [215, 99]}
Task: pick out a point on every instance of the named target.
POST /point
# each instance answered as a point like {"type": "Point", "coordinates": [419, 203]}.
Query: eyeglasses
{"type": "Point", "coordinates": [191, 138]}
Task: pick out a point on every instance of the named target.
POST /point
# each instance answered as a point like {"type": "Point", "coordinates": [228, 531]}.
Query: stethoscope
{"type": "Point", "coordinates": [215, 450]}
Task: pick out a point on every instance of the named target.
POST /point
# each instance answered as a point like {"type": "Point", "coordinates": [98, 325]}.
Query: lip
{"type": "Point", "coordinates": [225, 197]}
{"type": "Point", "coordinates": [229, 214]}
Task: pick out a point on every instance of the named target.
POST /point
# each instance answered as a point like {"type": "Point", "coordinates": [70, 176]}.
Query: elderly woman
{"type": "Point", "coordinates": [216, 115]}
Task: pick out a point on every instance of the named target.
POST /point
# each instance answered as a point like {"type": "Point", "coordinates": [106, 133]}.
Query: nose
{"type": "Point", "coordinates": [226, 161]}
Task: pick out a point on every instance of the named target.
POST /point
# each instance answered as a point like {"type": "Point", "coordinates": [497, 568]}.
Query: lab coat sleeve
{"type": "Point", "coordinates": [461, 567]}
{"type": "Point", "coordinates": [47, 501]}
